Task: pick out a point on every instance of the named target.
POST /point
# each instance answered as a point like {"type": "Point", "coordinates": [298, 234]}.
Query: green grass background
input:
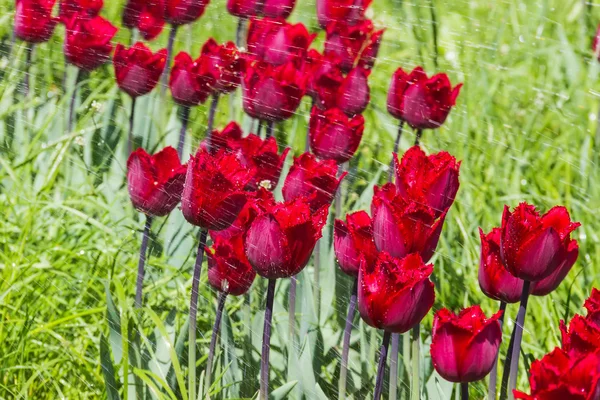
{"type": "Point", "coordinates": [524, 127]}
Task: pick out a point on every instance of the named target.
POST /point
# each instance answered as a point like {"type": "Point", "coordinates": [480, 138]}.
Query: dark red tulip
{"type": "Point", "coordinates": [494, 279]}
{"type": "Point", "coordinates": [581, 337]}
{"type": "Point", "coordinates": [190, 81]}
{"type": "Point", "coordinates": [353, 95]}
{"type": "Point", "coordinates": [324, 79]}
{"type": "Point", "coordinates": [213, 194]}
{"type": "Point", "coordinates": [180, 12]}
{"type": "Point", "coordinates": [592, 305]}
{"type": "Point", "coordinates": [422, 102]}
{"type": "Point", "coordinates": [596, 43]}
{"type": "Point", "coordinates": [350, 11]}
{"type": "Point", "coordinates": [224, 63]}
{"type": "Point", "coordinates": [67, 8]}
{"type": "Point", "coordinates": [549, 284]}
{"type": "Point", "coordinates": [253, 207]}
{"type": "Point", "coordinates": [402, 227]}
{"type": "Point", "coordinates": [278, 42]}
{"type": "Point", "coordinates": [558, 376]}
{"type": "Point", "coordinates": [278, 8]}
{"type": "Point", "coordinates": [272, 93]}
{"type": "Point", "coordinates": [464, 346]}
{"type": "Point", "coordinates": [313, 179]}
{"type": "Point", "coordinates": [244, 8]}
{"type": "Point", "coordinates": [228, 268]}
{"type": "Point", "coordinates": [281, 239]}
{"type": "Point", "coordinates": [34, 22]}
{"type": "Point", "coordinates": [348, 43]}
{"type": "Point", "coordinates": [395, 294]}
{"type": "Point", "coordinates": [431, 180]}
{"type": "Point", "coordinates": [141, 14]}
{"type": "Point", "coordinates": [334, 136]}
{"type": "Point", "coordinates": [137, 69]}
{"type": "Point", "coordinates": [352, 240]}
{"type": "Point", "coordinates": [155, 183]}
{"type": "Point", "coordinates": [88, 41]}
{"type": "Point", "coordinates": [533, 247]}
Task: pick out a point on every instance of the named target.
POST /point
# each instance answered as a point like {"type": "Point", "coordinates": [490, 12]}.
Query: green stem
{"type": "Point", "coordinates": [416, 344]}
{"type": "Point", "coordinates": [394, 366]}
{"type": "Point", "coordinates": [516, 351]}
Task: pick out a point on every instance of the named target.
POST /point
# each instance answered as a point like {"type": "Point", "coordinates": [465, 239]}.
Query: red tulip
{"type": "Point", "coordinates": [278, 42]}
{"type": "Point", "coordinates": [395, 294]}
{"type": "Point", "coordinates": [353, 95]}
{"type": "Point", "coordinates": [155, 183]}
{"type": "Point", "coordinates": [334, 136]}
{"type": "Point", "coordinates": [68, 8]}
{"type": "Point", "coordinates": [549, 284]}
{"type": "Point", "coordinates": [592, 305]}
{"type": "Point", "coordinates": [352, 240]}
{"type": "Point", "coordinates": [190, 81]}
{"type": "Point", "coordinates": [596, 43]}
{"type": "Point", "coordinates": [148, 19]}
{"type": "Point", "coordinates": [534, 247]}
{"type": "Point", "coordinates": [422, 102]}
{"type": "Point", "coordinates": [228, 268]}
{"type": "Point", "coordinates": [138, 70]}
{"type": "Point", "coordinates": [88, 41]}
{"type": "Point", "coordinates": [559, 376]}
{"type": "Point", "coordinates": [272, 93]}
{"type": "Point", "coordinates": [34, 22]}
{"type": "Point", "coordinates": [348, 43]}
{"type": "Point", "coordinates": [244, 8]}
{"type": "Point", "coordinates": [464, 346]}
{"type": "Point", "coordinates": [350, 11]}
{"type": "Point", "coordinates": [431, 180]}
{"type": "Point", "coordinates": [224, 63]}
{"type": "Point", "coordinates": [253, 207]}
{"type": "Point", "coordinates": [316, 180]}
{"type": "Point", "coordinates": [278, 8]}
{"type": "Point", "coordinates": [180, 12]}
{"type": "Point", "coordinates": [324, 79]}
{"type": "Point", "coordinates": [494, 279]}
{"type": "Point", "coordinates": [581, 337]}
{"type": "Point", "coordinates": [213, 193]}
{"type": "Point", "coordinates": [281, 239]}
{"type": "Point", "coordinates": [402, 227]}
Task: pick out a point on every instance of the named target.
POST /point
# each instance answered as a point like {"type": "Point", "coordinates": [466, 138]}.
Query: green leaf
{"type": "Point", "coordinates": [282, 391]}
{"type": "Point", "coordinates": [108, 370]}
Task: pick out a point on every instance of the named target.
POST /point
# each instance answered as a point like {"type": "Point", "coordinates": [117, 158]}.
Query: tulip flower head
{"type": "Point", "coordinates": [596, 43]}
{"type": "Point", "coordinates": [34, 22]}
{"type": "Point", "coordinates": [353, 45]}
{"type": "Point", "coordinates": [282, 237]}
{"type": "Point", "coordinates": [592, 305]}
{"type": "Point", "coordinates": [254, 206]}
{"type": "Point", "coordinates": [145, 16]}
{"type": "Point", "coordinates": [213, 193]}
{"type": "Point", "coordinates": [68, 8]}
{"type": "Point", "coordinates": [353, 94]}
{"type": "Point", "coordinates": [550, 283]}
{"type": "Point", "coordinates": [313, 179]}
{"type": "Point", "coordinates": [224, 63]}
{"type": "Point", "coordinates": [155, 183]}
{"type": "Point", "coordinates": [324, 79]}
{"type": "Point", "coordinates": [395, 294]}
{"type": "Point", "coordinates": [191, 81]}
{"type": "Point", "coordinates": [353, 240]}
{"type": "Point", "coordinates": [228, 268]}
{"type": "Point", "coordinates": [402, 227]}
{"type": "Point", "coordinates": [88, 41]}
{"type": "Point", "coordinates": [464, 346]}
{"type": "Point", "coordinates": [137, 69]}
{"type": "Point", "coordinates": [180, 12]}
{"type": "Point", "coordinates": [581, 337]}
{"type": "Point", "coordinates": [533, 247]}
{"type": "Point", "coordinates": [350, 11]}
{"type": "Point", "coordinates": [244, 8]}
{"type": "Point", "coordinates": [333, 135]}
{"type": "Point", "coordinates": [422, 102]}
{"type": "Point", "coordinates": [278, 8]}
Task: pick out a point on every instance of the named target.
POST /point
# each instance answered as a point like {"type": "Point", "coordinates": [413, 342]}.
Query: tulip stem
{"type": "Point", "coordinates": [131, 121]}
{"type": "Point", "coordinates": [26, 78]}
{"type": "Point", "coordinates": [142, 262]}
{"type": "Point", "coordinates": [259, 128]}
{"type": "Point", "coordinates": [394, 366]}
{"type": "Point", "coordinates": [194, 313]}
{"type": "Point", "coordinates": [339, 194]}
{"type": "Point", "coordinates": [317, 278]}
{"type": "Point", "coordinates": [292, 309]}
{"type": "Point", "coordinates": [164, 81]}
{"type": "Point", "coordinates": [185, 117]}
{"type": "Point", "coordinates": [213, 341]}
{"type": "Point", "coordinates": [514, 362]}
{"type": "Point", "coordinates": [71, 120]}
{"type": "Point", "coordinates": [434, 33]}
{"type": "Point", "coordinates": [269, 129]}
{"type": "Point", "coordinates": [464, 391]}
{"type": "Point", "coordinates": [396, 146]}
{"type": "Point", "coordinates": [239, 32]}
{"type": "Point", "coordinates": [494, 372]}
{"type": "Point", "coordinates": [381, 366]}
{"type": "Point", "coordinates": [346, 345]}
{"type": "Point", "coordinates": [416, 344]}
{"type": "Point", "coordinates": [266, 345]}
{"type": "Point", "coordinates": [211, 117]}
{"type": "Point", "coordinates": [418, 136]}
{"type": "Point", "coordinates": [506, 371]}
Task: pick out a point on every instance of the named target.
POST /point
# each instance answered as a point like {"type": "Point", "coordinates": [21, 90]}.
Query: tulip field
{"type": "Point", "coordinates": [281, 199]}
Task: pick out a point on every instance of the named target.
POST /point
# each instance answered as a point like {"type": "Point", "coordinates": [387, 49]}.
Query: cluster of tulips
{"type": "Point", "coordinates": [226, 187]}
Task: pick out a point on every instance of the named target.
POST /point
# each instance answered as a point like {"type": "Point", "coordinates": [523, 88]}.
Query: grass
{"type": "Point", "coordinates": [524, 128]}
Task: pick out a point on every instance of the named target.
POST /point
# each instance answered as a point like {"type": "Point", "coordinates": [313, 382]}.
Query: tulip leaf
{"type": "Point", "coordinates": [282, 391]}
{"type": "Point", "coordinates": [108, 370]}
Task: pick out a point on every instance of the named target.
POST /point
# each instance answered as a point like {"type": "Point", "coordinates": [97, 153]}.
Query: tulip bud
{"type": "Point", "coordinates": [431, 180]}
{"type": "Point", "coordinates": [213, 193]}
{"type": "Point", "coordinates": [353, 240]}
{"type": "Point", "coordinates": [581, 337]}
{"type": "Point", "coordinates": [33, 20]}
{"type": "Point", "coordinates": [464, 346]}
{"type": "Point", "coordinates": [224, 63]}
{"type": "Point", "coordinates": [316, 180]}
{"type": "Point", "coordinates": [179, 12]}
{"type": "Point", "coordinates": [334, 136]}
{"type": "Point", "coordinates": [155, 183]}
{"type": "Point", "coordinates": [146, 17]}
{"type": "Point", "coordinates": [592, 305]}
{"type": "Point", "coordinates": [534, 247]}
{"type": "Point", "coordinates": [278, 42]}
{"type": "Point", "coordinates": [228, 268]}
{"type": "Point", "coordinates": [88, 41]}
{"type": "Point", "coordinates": [190, 81]}
{"type": "Point", "coordinates": [494, 279]}
{"type": "Point", "coordinates": [353, 95]}
{"type": "Point", "coordinates": [395, 294]}
{"type": "Point", "coordinates": [402, 227]}
{"type": "Point", "coordinates": [138, 70]}
{"type": "Point", "coordinates": [68, 8]}
{"type": "Point", "coordinates": [244, 8]}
